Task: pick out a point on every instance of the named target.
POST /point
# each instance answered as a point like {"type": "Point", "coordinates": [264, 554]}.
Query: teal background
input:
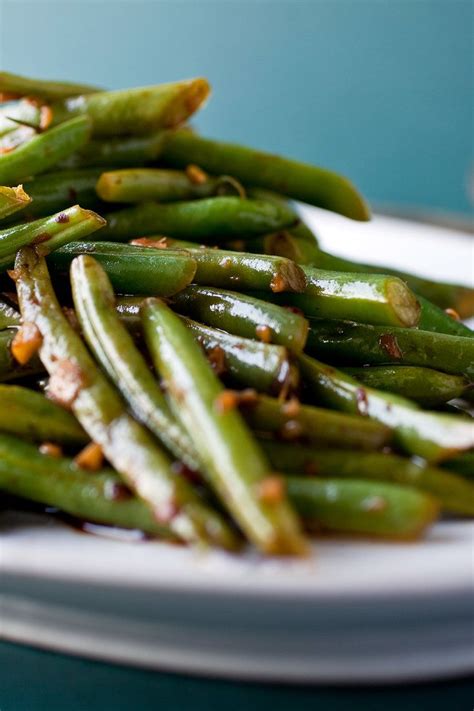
{"type": "Point", "coordinates": [378, 89]}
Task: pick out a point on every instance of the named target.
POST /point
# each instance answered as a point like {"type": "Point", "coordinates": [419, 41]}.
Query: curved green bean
{"type": "Point", "coordinates": [300, 181]}
{"type": "Point", "coordinates": [44, 89]}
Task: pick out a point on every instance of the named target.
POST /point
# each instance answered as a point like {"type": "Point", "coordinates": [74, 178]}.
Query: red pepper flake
{"type": "Point", "coordinates": [226, 400]}
{"type": "Point", "coordinates": [115, 491]}
{"type": "Point", "coordinates": [182, 470]}
{"type": "Point", "coordinates": [216, 357]}
{"type": "Point", "coordinates": [26, 343]}
{"type": "Point", "coordinates": [271, 490]}
{"type": "Point", "coordinates": [264, 333]}
{"type": "Point", "coordinates": [90, 458]}
{"type": "Point", "coordinates": [62, 218]}
{"type": "Point", "coordinates": [389, 344]}
{"type": "Point", "coordinates": [153, 242]}
{"type": "Point", "coordinates": [454, 314]}
{"type": "Point", "coordinates": [362, 401]}
{"type": "Point", "coordinates": [71, 316]}
{"type": "Point", "coordinates": [291, 430]}
{"type": "Point", "coordinates": [278, 283]}
{"type": "Point", "coordinates": [51, 450]}
{"type": "Point", "coordinates": [248, 397]}
{"type": "Point", "coordinates": [44, 236]}
{"type": "Point", "coordinates": [195, 174]}
{"type": "Point", "coordinates": [294, 310]}
{"type": "Point", "coordinates": [292, 407]}
{"type": "Point", "coordinates": [66, 382]}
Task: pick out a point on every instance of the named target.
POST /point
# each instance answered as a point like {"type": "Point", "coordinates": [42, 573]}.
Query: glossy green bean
{"type": "Point", "coordinates": [207, 220]}
{"type": "Point", "coordinates": [114, 349]}
{"type": "Point", "coordinates": [430, 435]}
{"type": "Point", "coordinates": [78, 383]}
{"type": "Point", "coordinates": [243, 316]}
{"type": "Point", "coordinates": [30, 414]}
{"type": "Point", "coordinates": [139, 110]}
{"type": "Point", "coordinates": [133, 270]}
{"type": "Point", "coordinates": [142, 184]}
{"type": "Point", "coordinates": [296, 422]}
{"type": "Point", "coordinates": [368, 298]}
{"type": "Point", "coordinates": [233, 462]}
{"type": "Point", "coordinates": [43, 151]}
{"type": "Point", "coordinates": [362, 507]}
{"type": "Point", "coordinates": [444, 295]}
{"type": "Point", "coordinates": [297, 180]}
{"type": "Point", "coordinates": [98, 497]}
{"type": "Point", "coordinates": [360, 344]}
{"type": "Point", "coordinates": [432, 318]}
{"type": "Point", "coordinates": [455, 494]}
{"type": "Point", "coordinates": [42, 88]}
{"type": "Point", "coordinates": [13, 200]}
{"type": "Point", "coordinates": [427, 387]}
{"type": "Point", "coordinates": [48, 233]}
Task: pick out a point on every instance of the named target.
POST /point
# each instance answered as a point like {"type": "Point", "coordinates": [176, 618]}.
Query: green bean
{"type": "Point", "coordinates": [53, 192]}
{"type": "Point", "coordinates": [424, 434]}
{"type": "Point", "coordinates": [454, 296]}
{"type": "Point", "coordinates": [98, 497]}
{"type": "Point", "coordinates": [360, 344]}
{"type": "Point", "coordinates": [297, 180]}
{"type": "Point", "coordinates": [9, 368]}
{"type": "Point", "coordinates": [455, 494]}
{"type": "Point", "coordinates": [142, 184]}
{"type": "Point", "coordinates": [124, 151]}
{"type": "Point", "coordinates": [114, 349]}
{"type": "Point", "coordinates": [77, 382]}
{"type": "Point", "coordinates": [432, 318]}
{"type": "Point", "coordinates": [45, 89]}
{"type": "Point", "coordinates": [369, 298]}
{"type": "Point", "coordinates": [48, 233]}
{"type": "Point", "coordinates": [362, 507]}
{"type": "Point", "coordinates": [243, 316]}
{"type": "Point", "coordinates": [133, 270]}
{"type": "Point", "coordinates": [8, 315]}
{"type": "Point", "coordinates": [232, 460]}
{"type": "Point", "coordinates": [30, 414]}
{"type": "Point", "coordinates": [140, 110]}
{"type": "Point", "coordinates": [208, 219]}
{"type": "Point", "coordinates": [296, 422]}
{"type": "Point", "coordinates": [242, 271]}
{"type": "Point", "coordinates": [427, 387]}
{"type": "Point", "coordinates": [12, 200]}
{"type": "Point", "coordinates": [43, 151]}
{"type": "Point", "coordinates": [264, 367]}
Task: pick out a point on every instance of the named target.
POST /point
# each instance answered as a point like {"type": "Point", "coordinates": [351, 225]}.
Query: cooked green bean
{"type": "Point", "coordinates": [243, 316]}
{"type": "Point", "coordinates": [79, 384]}
{"type": "Point", "coordinates": [140, 110]}
{"type": "Point", "coordinates": [8, 315]}
{"type": "Point", "coordinates": [12, 200]}
{"type": "Point", "coordinates": [9, 368]}
{"type": "Point", "coordinates": [233, 462]}
{"type": "Point", "coordinates": [360, 344]}
{"type": "Point", "coordinates": [114, 349]}
{"type": "Point", "coordinates": [30, 414]}
{"type": "Point", "coordinates": [209, 219]}
{"type": "Point", "coordinates": [462, 464]}
{"type": "Point", "coordinates": [432, 318]}
{"type": "Point", "coordinates": [296, 422]}
{"type": "Point", "coordinates": [133, 270]}
{"type": "Point", "coordinates": [444, 295]}
{"type": "Point", "coordinates": [143, 184]}
{"type": "Point", "coordinates": [427, 387]}
{"type": "Point", "coordinates": [122, 152]}
{"type": "Point", "coordinates": [48, 233]}
{"type": "Point", "coordinates": [43, 151]}
{"type": "Point", "coordinates": [455, 494]}
{"type": "Point", "coordinates": [25, 86]}
{"type": "Point", "coordinates": [362, 507]}
{"type": "Point", "coordinates": [297, 180]}
{"type": "Point", "coordinates": [430, 435]}
{"type": "Point", "coordinates": [98, 497]}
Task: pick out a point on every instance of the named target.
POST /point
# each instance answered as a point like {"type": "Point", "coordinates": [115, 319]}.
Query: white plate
{"type": "Point", "coordinates": [357, 611]}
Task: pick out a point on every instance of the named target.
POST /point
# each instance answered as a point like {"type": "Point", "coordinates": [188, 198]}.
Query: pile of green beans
{"type": "Point", "coordinates": [160, 342]}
